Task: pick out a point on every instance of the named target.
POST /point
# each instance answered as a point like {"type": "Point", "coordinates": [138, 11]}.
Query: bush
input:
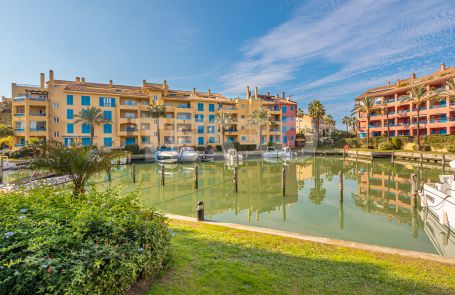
{"type": "Point", "coordinates": [218, 148]}
{"type": "Point", "coordinates": [388, 145]}
{"type": "Point", "coordinates": [451, 149]}
{"type": "Point", "coordinates": [396, 142]}
{"type": "Point", "coordinates": [24, 152]}
{"type": "Point", "coordinates": [132, 148]}
{"type": "Point", "coordinates": [99, 243]}
{"type": "Point", "coordinates": [423, 147]}
{"type": "Point", "coordinates": [438, 141]}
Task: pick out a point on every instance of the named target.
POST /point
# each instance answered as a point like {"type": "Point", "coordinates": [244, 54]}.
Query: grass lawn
{"type": "Point", "coordinates": [210, 259]}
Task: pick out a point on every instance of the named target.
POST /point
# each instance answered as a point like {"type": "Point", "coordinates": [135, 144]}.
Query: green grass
{"type": "Point", "coordinates": [209, 259]}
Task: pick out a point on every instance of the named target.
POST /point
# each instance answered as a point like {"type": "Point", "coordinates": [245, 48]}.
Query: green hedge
{"type": "Point", "coordinates": [100, 243]}
{"type": "Point", "coordinates": [440, 141]}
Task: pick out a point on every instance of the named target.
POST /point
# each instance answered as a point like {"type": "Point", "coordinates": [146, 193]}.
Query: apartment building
{"type": "Point", "coordinates": [49, 111]}
{"type": "Point", "coordinates": [305, 125]}
{"type": "Point", "coordinates": [435, 118]}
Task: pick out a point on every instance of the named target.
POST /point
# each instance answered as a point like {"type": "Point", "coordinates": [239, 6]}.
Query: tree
{"type": "Point", "coordinates": [365, 105]}
{"type": "Point", "coordinates": [260, 117]}
{"type": "Point", "coordinates": [316, 110]}
{"type": "Point", "coordinates": [79, 163]}
{"type": "Point", "coordinates": [353, 123]}
{"type": "Point", "coordinates": [157, 111]}
{"type": "Point", "coordinates": [91, 116]}
{"type": "Point", "coordinates": [346, 121]}
{"type": "Point", "coordinates": [223, 119]}
{"type": "Point", "coordinates": [419, 96]}
{"type": "Point", "coordinates": [6, 130]}
{"type": "Point", "coordinates": [330, 121]}
{"type": "Point", "coordinates": [384, 107]}
{"type": "Point", "coordinates": [6, 106]}
{"type": "Point", "coordinates": [299, 114]}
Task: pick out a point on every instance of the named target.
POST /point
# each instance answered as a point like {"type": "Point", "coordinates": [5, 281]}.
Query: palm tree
{"type": "Point", "coordinates": [299, 114]}
{"type": "Point", "coordinates": [384, 107]}
{"type": "Point", "coordinates": [79, 163]}
{"type": "Point", "coordinates": [365, 105]}
{"type": "Point", "coordinates": [157, 111]}
{"type": "Point", "coordinates": [346, 121]}
{"type": "Point", "coordinates": [317, 111]}
{"type": "Point", "coordinates": [353, 123]}
{"type": "Point", "coordinates": [260, 117]}
{"type": "Point", "coordinates": [330, 121]}
{"type": "Point", "coordinates": [223, 119]}
{"type": "Point", "coordinates": [418, 96]}
{"type": "Point", "coordinates": [92, 116]}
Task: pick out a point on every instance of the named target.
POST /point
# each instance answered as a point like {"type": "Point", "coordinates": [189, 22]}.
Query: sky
{"type": "Point", "coordinates": [326, 50]}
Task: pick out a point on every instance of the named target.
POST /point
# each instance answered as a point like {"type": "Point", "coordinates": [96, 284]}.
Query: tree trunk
{"type": "Point", "coordinates": [158, 130]}
{"type": "Point", "coordinates": [92, 133]}
{"type": "Point", "coordinates": [317, 131]}
{"type": "Point", "coordinates": [418, 128]}
{"type": "Point", "coordinates": [260, 135]}
{"type": "Point", "coordinates": [222, 137]}
{"type": "Point", "coordinates": [388, 127]}
{"type": "Point", "coordinates": [368, 130]}
{"type": "Point", "coordinates": [347, 128]}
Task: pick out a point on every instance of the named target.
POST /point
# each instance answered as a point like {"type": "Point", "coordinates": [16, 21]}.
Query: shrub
{"type": "Point", "coordinates": [396, 142]}
{"type": "Point", "coordinates": [451, 149]}
{"type": "Point", "coordinates": [24, 152]}
{"type": "Point", "coordinates": [132, 148]}
{"type": "Point", "coordinates": [423, 147]}
{"type": "Point", "coordinates": [99, 243]}
{"type": "Point", "coordinates": [218, 148]}
{"type": "Point", "coordinates": [388, 145]}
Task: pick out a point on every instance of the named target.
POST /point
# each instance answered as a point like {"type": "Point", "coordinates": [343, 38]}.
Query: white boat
{"type": "Point", "coordinates": [166, 155]}
{"type": "Point", "coordinates": [439, 198]}
{"type": "Point", "coordinates": [207, 155]}
{"type": "Point", "coordinates": [232, 155]}
{"type": "Point", "coordinates": [271, 152]}
{"type": "Point", "coordinates": [441, 236]}
{"type": "Point", "coordinates": [188, 154]}
{"type": "Point", "coordinates": [120, 161]}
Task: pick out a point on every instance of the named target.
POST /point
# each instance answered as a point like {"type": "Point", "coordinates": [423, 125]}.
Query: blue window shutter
{"type": "Point", "coordinates": [85, 128]}
{"type": "Point", "coordinates": [108, 141]}
{"type": "Point", "coordinates": [107, 128]}
{"type": "Point", "coordinates": [113, 102]}
{"type": "Point", "coordinates": [69, 128]}
{"type": "Point", "coordinates": [101, 101]}
{"type": "Point", "coordinates": [69, 99]}
{"type": "Point", "coordinates": [107, 115]}
{"type": "Point", "coordinates": [200, 141]}
{"type": "Point", "coordinates": [69, 114]}
{"type": "Point", "coordinates": [85, 141]}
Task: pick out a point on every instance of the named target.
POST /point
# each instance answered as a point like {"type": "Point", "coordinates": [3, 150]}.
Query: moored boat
{"type": "Point", "coordinates": [166, 155]}
{"type": "Point", "coordinates": [271, 152]}
{"type": "Point", "coordinates": [207, 155]}
{"type": "Point", "coordinates": [232, 155]}
{"type": "Point", "coordinates": [188, 154]}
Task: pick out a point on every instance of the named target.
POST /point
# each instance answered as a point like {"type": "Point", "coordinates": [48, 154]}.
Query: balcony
{"type": "Point", "coordinates": [438, 106]}
{"type": "Point", "coordinates": [19, 114]}
{"type": "Point", "coordinates": [375, 126]}
{"type": "Point", "coordinates": [442, 120]}
{"type": "Point", "coordinates": [38, 114]}
{"type": "Point", "coordinates": [231, 131]}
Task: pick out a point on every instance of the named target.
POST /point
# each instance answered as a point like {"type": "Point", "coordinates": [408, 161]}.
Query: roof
{"type": "Point", "coordinates": [435, 78]}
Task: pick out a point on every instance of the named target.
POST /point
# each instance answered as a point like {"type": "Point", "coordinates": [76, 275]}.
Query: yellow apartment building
{"type": "Point", "coordinates": [48, 111]}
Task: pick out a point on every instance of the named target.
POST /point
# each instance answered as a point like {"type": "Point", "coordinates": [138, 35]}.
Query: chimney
{"type": "Point", "coordinates": [398, 82]}
{"type": "Point", "coordinates": [144, 83]}
{"type": "Point", "coordinates": [51, 78]}
{"type": "Point", "coordinates": [268, 93]}
{"type": "Point", "coordinates": [256, 94]}
{"type": "Point", "coordinates": [277, 95]}
{"type": "Point", "coordinates": [209, 93]}
{"type": "Point", "coordinates": [442, 67]}
{"type": "Point", "coordinates": [83, 79]}
{"type": "Point", "coordinates": [110, 83]}
{"type": "Point", "coordinates": [41, 80]}
{"type": "Point", "coordinates": [194, 90]}
{"type": "Point", "coordinates": [78, 80]}
{"type": "Point", "coordinates": [284, 96]}
{"type": "Point", "coordinates": [165, 88]}
{"type": "Point", "coordinates": [413, 76]}
{"type": "Point", "coordinates": [247, 92]}
{"type": "Point", "coordinates": [388, 83]}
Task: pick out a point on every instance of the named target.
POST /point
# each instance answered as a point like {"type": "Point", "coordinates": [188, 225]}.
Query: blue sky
{"type": "Point", "coordinates": [329, 50]}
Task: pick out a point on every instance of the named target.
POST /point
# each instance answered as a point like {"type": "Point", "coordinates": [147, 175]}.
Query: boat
{"type": "Point", "coordinates": [440, 235]}
{"type": "Point", "coordinates": [166, 155]}
{"type": "Point", "coordinates": [271, 152]}
{"type": "Point", "coordinates": [232, 155]}
{"type": "Point", "coordinates": [120, 161]}
{"type": "Point", "coordinates": [207, 155]}
{"type": "Point", "coordinates": [439, 198]}
{"type": "Point", "coordinates": [188, 154]}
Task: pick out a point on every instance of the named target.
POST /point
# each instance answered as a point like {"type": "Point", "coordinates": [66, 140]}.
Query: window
{"type": "Point", "coordinates": [200, 129]}
{"type": "Point", "coordinates": [155, 97]}
{"type": "Point", "coordinates": [55, 105]}
{"type": "Point", "coordinates": [56, 134]}
{"type": "Point", "coordinates": [200, 140]}
{"type": "Point", "coordinates": [242, 116]}
{"type": "Point", "coordinates": [211, 139]}
{"type": "Point", "coordinates": [291, 118]}
{"type": "Point", "coordinates": [211, 118]}
{"type": "Point", "coordinates": [106, 101]}
{"type": "Point", "coordinates": [85, 128]}
{"type": "Point", "coordinates": [243, 106]}
{"type": "Point", "coordinates": [199, 118]}
{"type": "Point", "coordinates": [69, 114]}
{"type": "Point", "coordinates": [145, 139]}
{"type": "Point", "coordinates": [69, 99]}
{"type": "Point", "coordinates": [56, 120]}
{"type": "Point", "coordinates": [292, 128]}
{"type": "Point", "coordinates": [107, 128]}
{"type": "Point", "coordinates": [284, 119]}
{"type": "Point", "coordinates": [107, 115]}
{"type": "Point", "coordinates": [292, 108]}
{"type": "Point", "coordinates": [85, 100]}
{"type": "Point", "coordinates": [69, 128]}
{"type": "Point", "coordinates": [210, 129]}
{"type": "Point", "coordinates": [68, 141]}
{"type": "Point", "coordinates": [283, 109]}
{"type": "Point", "coordinates": [284, 129]}
{"type": "Point", "coordinates": [85, 141]}
{"type": "Point", "coordinates": [183, 116]}
{"type": "Point", "coordinates": [200, 107]}
{"type": "Point", "coordinates": [169, 103]}
{"type": "Point", "coordinates": [285, 139]}
{"type": "Point", "coordinates": [108, 141]}
{"type": "Point", "coordinates": [291, 138]}
{"type": "Point", "coordinates": [211, 107]}
{"type": "Point", "coordinates": [243, 138]}
{"type": "Point", "coordinates": [130, 140]}
{"type": "Point", "coordinates": [184, 105]}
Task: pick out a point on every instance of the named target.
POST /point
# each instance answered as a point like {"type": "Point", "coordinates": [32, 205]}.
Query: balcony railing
{"type": "Point", "coordinates": [19, 129]}
{"type": "Point", "coordinates": [38, 114]}
{"type": "Point", "coordinates": [437, 106]}
{"type": "Point", "coordinates": [438, 120]}
{"type": "Point", "coordinates": [19, 114]}
{"type": "Point", "coordinates": [130, 103]}
{"type": "Point", "coordinates": [38, 129]}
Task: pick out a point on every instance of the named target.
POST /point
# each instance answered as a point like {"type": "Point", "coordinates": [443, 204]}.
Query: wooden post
{"type": "Point", "coordinates": [413, 189]}
{"type": "Point", "coordinates": [283, 181]}
{"type": "Point", "coordinates": [303, 152]}
{"type": "Point", "coordinates": [196, 176]}
{"type": "Point", "coordinates": [133, 168]}
{"type": "Point", "coordinates": [109, 174]}
{"type": "Point", "coordinates": [341, 212]}
{"type": "Point", "coordinates": [344, 153]}
{"type": "Point", "coordinates": [1, 170]}
{"type": "Point", "coordinates": [200, 211]}
{"type": "Point", "coordinates": [236, 179]}
{"type": "Point", "coordinates": [443, 161]}
{"type": "Point", "coordinates": [314, 151]}
{"type": "Point", "coordinates": [421, 158]}
{"type": "Point", "coordinates": [392, 159]}
{"type": "Point", "coordinates": [356, 154]}
{"type": "Point", "coordinates": [340, 179]}
{"type": "Point", "coordinates": [162, 175]}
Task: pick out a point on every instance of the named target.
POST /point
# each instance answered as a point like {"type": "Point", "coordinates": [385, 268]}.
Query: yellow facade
{"type": "Point", "coordinates": [48, 111]}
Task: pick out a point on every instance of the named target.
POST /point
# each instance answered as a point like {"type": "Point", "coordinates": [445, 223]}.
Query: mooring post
{"type": "Point", "coordinates": [344, 153]}
{"type": "Point", "coordinates": [392, 159]}
{"type": "Point", "coordinates": [443, 161]}
{"type": "Point", "coordinates": [421, 158]}
{"type": "Point", "coordinates": [356, 154]}
{"type": "Point", "coordinates": [109, 173]}
{"type": "Point", "coordinates": [340, 179]}
{"type": "Point", "coordinates": [303, 153]}
{"type": "Point", "coordinates": [283, 181]}
{"type": "Point", "coordinates": [1, 170]}
{"type": "Point", "coordinates": [133, 171]}
{"type": "Point", "coordinates": [413, 189]}
{"type": "Point", "coordinates": [162, 175]}
{"type": "Point", "coordinates": [236, 178]}
{"type": "Point", "coordinates": [200, 211]}
{"type": "Point", "coordinates": [314, 151]}
{"type": "Point", "coordinates": [196, 176]}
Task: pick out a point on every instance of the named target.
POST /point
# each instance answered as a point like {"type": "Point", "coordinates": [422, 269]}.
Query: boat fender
{"type": "Point", "coordinates": [444, 219]}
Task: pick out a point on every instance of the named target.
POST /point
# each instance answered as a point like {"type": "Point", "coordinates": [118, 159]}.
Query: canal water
{"type": "Point", "coordinates": [376, 206]}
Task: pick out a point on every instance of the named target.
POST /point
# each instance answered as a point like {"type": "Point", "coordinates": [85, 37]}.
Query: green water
{"type": "Point", "coordinates": [376, 207]}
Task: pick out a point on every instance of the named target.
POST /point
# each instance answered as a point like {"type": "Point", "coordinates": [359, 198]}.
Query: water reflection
{"type": "Point", "coordinates": [375, 206]}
